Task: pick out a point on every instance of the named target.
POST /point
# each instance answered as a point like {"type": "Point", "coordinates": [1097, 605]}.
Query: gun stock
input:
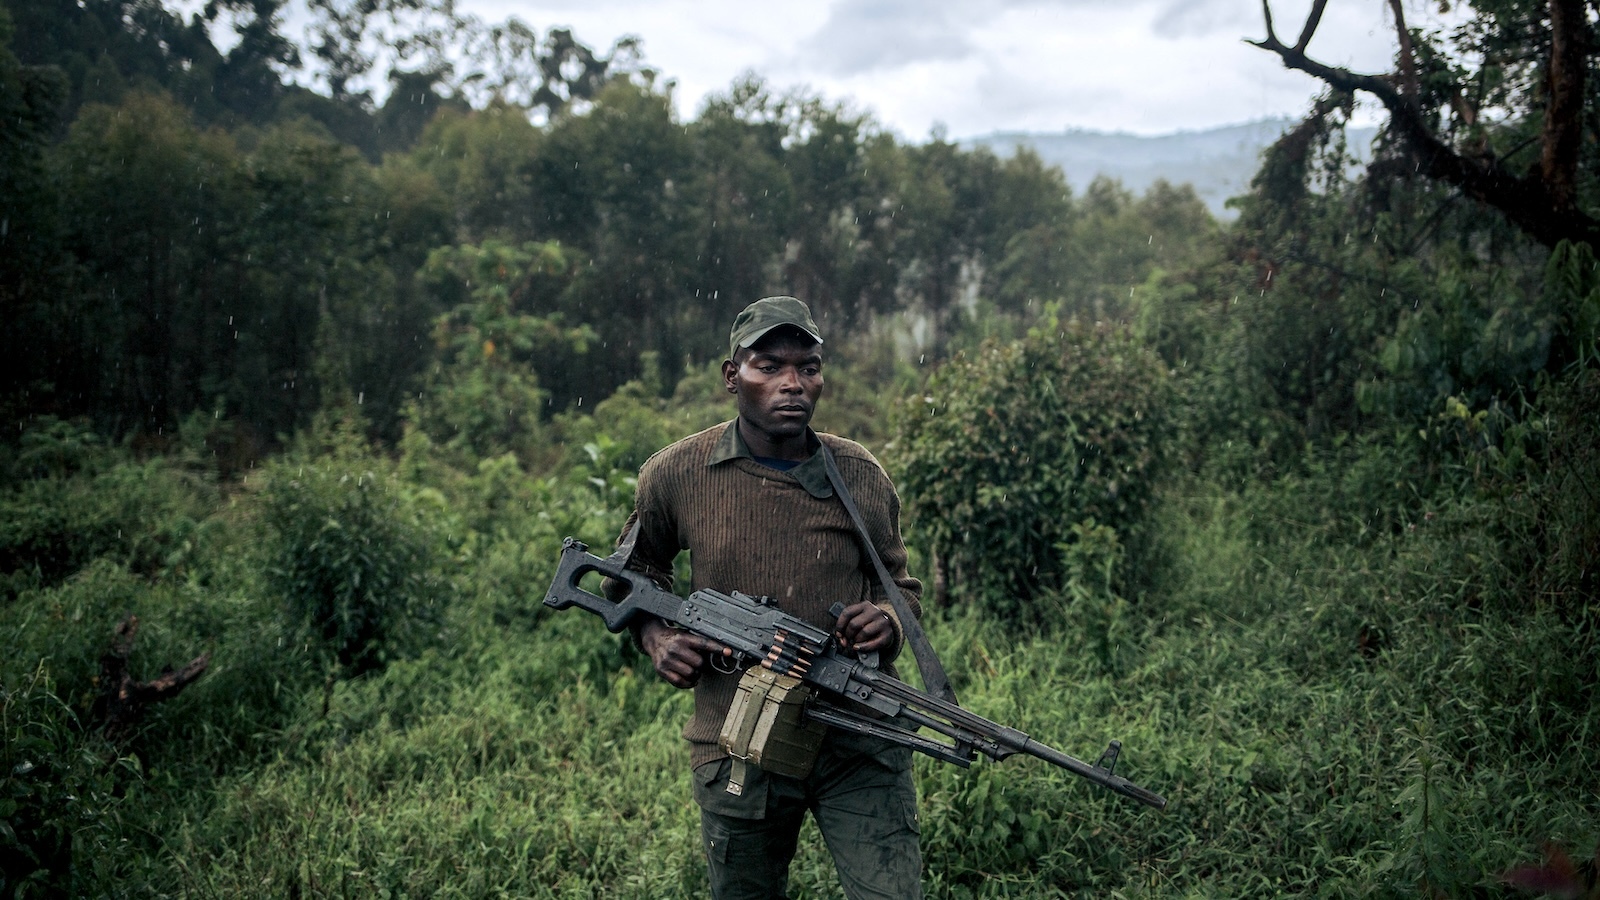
{"type": "Point", "coordinates": [642, 596]}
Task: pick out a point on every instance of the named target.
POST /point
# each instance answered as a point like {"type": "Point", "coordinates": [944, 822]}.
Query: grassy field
{"type": "Point", "coordinates": [1341, 694]}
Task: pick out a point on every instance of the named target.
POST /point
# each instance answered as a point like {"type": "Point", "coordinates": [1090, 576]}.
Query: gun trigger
{"type": "Point", "coordinates": [1108, 759]}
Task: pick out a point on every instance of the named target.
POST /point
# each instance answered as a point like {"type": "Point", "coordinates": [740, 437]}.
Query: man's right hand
{"type": "Point", "coordinates": [679, 656]}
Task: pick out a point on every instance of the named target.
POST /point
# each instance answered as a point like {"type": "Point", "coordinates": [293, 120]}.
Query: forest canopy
{"type": "Point", "coordinates": [194, 230]}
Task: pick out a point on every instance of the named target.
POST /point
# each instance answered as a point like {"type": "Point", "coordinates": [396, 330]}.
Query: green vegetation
{"type": "Point", "coordinates": [1304, 510]}
{"type": "Point", "coordinates": [1024, 448]}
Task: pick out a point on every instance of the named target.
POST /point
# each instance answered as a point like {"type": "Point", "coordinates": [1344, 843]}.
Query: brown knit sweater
{"type": "Point", "coordinates": [761, 531]}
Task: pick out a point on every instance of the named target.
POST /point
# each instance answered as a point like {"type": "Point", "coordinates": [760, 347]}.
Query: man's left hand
{"type": "Point", "coordinates": [864, 628]}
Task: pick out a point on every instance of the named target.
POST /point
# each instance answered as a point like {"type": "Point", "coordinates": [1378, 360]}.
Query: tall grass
{"type": "Point", "coordinates": [1342, 686]}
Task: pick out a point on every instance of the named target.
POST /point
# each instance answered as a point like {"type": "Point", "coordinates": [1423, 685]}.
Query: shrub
{"type": "Point", "coordinates": [82, 500]}
{"type": "Point", "coordinates": [1013, 446]}
{"type": "Point", "coordinates": [351, 553]}
{"type": "Point", "coordinates": [623, 430]}
{"type": "Point", "coordinates": [484, 397]}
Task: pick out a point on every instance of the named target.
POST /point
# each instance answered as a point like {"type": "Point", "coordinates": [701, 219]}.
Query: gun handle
{"type": "Point", "coordinates": [868, 659]}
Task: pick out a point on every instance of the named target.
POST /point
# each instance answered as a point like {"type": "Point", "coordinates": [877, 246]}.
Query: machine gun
{"type": "Point", "coordinates": [756, 631]}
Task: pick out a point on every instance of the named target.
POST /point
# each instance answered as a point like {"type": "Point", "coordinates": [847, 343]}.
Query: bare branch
{"type": "Point", "coordinates": [1266, 13]}
{"type": "Point", "coordinates": [1542, 203]}
{"type": "Point", "coordinates": [1312, 20]}
{"type": "Point", "coordinates": [1343, 79]}
{"type": "Point", "coordinates": [123, 699]}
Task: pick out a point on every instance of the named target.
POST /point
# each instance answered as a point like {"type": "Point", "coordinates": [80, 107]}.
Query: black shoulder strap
{"type": "Point", "coordinates": [624, 552]}
{"type": "Point", "coordinates": [933, 676]}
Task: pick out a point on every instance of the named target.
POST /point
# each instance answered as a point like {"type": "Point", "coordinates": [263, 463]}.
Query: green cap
{"type": "Point", "coordinates": [766, 314]}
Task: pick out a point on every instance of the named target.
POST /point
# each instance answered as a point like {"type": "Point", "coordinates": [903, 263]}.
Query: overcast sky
{"type": "Point", "coordinates": [979, 66]}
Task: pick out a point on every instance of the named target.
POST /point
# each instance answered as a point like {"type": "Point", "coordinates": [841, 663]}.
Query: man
{"type": "Point", "coordinates": [751, 502]}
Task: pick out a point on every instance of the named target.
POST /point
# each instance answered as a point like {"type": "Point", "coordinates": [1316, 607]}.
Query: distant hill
{"type": "Point", "coordinates": [1219, 162]}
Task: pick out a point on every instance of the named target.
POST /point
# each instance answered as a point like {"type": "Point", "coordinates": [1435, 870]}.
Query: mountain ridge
{"type": "Point", "coordinates": [1219, 162]}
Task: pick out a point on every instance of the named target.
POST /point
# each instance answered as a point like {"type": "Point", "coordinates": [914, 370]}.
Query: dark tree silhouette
{"type": "Point", "coordinates": [1434, 114]}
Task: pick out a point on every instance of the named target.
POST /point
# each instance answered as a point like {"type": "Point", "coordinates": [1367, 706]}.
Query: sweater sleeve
{"type": "Point", "coordinates": [656, 546]}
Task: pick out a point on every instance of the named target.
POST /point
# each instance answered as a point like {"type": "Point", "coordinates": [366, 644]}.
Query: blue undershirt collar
{"type": "Point", "coordinates": [811, 472]}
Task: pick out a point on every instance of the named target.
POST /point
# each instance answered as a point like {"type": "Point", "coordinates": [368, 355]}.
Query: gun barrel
{"type": "Point", "coordinates": [991, 738]}
{"type": "Point", "coordinates": [1094, 773]}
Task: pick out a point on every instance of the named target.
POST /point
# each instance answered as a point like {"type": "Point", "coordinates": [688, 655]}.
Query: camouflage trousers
{"type": "Point", "coordinates": [863, 799]}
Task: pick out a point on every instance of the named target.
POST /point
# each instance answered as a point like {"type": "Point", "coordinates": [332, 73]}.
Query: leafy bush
{"type": "Point", "coordinates": [54, 448]}
{"type": "Point", "coordinates": [80, 500]}
{"type": "Point", "coordinates": [351, 552]}
{"type": "Point", "coordinates": [1013, 446]}
{"type": "Point", "coordinates": [1090, 603]}
{"type": "Point", "coordinates": [623, 430]}
{"type": "Point", "coordinates": [66, 628]}
{"type": "Point", "coordinates": [1565, 508]}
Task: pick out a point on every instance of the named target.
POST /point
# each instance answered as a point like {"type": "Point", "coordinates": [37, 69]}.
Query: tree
{"type": "Point", "coordinates": [508, 63]}
{"type": "Point", "coordinates": [484, 161]}
{"type": "Point", "coordinates": [152, 207]}
{"type": "Point", "coordinates": [1533, 65]}
{"type": "Point", "coordinates": [330, 247]}
{"type": "Point", "coordinates": [414, 100]}
{"type": "Point", "coordinates": [742, 201]}
{"type": "Point", "coordinates": [258, 284]}
{"type": "Point", "coordinates": [247, 82]}
{"type": "Point", "coordinates": [30, 256]}
{"type": "Point", "coordinates": [826, 156]}
{"type": "Point", "coordinates": [1336, 306]}
{"type": "Point", "coordinates": [1492, 111]}
{"type": "Point", "coordinates": [609, 182]}
{"type": "Point", "coordinates": [107, 47]}
{"type": "Point", "coordinates": [483, 398]}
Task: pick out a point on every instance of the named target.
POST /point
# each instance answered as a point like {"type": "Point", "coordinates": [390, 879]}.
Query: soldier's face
{"type": "Point", "coordinates": [778, 384]}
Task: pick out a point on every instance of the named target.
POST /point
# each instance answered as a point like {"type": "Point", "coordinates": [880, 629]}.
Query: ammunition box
{"type": "Point", "coordinates": [767, 727]}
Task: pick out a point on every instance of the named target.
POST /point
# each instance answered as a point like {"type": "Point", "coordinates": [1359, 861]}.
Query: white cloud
{"type": "Point", "coordinates": [1186, 18]}
{"type": "Point", "coordinates": [867, 36]}
{"type": "Point", "coordinates": [977, 66]}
